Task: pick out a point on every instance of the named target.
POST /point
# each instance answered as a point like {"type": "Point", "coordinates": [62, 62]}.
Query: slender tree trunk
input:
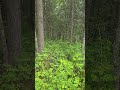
{"type": "Point", "coordinates": [72, 20]}
{"type": "Point", "coordinates": [39, 25]}
{"type": "Point", "coordinates": [67, 26]}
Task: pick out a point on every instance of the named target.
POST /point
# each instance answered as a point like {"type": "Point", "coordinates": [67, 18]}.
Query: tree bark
{"type": "Point", "coordinates": [13, 31]}
{"type": "Point", "coordinates": [27, 13]}
{"type": "Point", "coordinates": [39, 25]}
{"type": "Point", "coordinates": [72, 20]}
{"type": "Point", "coordinates": [116, 53]}
{"type": "Point", "coordinates": [3, 39]}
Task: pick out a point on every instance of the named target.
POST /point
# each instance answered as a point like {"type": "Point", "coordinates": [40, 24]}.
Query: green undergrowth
{"type": "Point", "coordinates": [99, 66]}
{"type": "Point", "coordinates": [60, 67]}
{"type": "Point", "coordinates": [20, 74]}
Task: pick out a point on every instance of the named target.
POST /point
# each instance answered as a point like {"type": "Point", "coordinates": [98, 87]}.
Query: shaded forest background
{"type": "Point", "coordinates": [61, 19]}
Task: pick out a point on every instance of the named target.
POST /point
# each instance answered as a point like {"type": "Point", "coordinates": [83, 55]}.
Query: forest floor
{"type": "Point", "coordinates": [60, 67]}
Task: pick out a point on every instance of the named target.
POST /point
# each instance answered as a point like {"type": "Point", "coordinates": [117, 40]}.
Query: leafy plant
{"type": "Point", "coordinates": [60, 67]}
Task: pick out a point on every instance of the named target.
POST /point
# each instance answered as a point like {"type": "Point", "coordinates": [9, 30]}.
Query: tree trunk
{"type": "Point", "coordinates": [72, 20]}
{"type": "Point", "coordinates": [3, 39]}
{"type": "Point", "coordinates": [116, 53]}
{"type": "Point", "coordinates": [13, 31]}
{"type": "Point", "coordinates": [27, 13]}
{"type": "Point", "coordinates": [39, 25]}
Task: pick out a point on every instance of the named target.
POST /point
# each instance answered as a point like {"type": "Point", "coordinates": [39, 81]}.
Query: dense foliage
{"type": "Point", "coordinates": [60, 67]}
